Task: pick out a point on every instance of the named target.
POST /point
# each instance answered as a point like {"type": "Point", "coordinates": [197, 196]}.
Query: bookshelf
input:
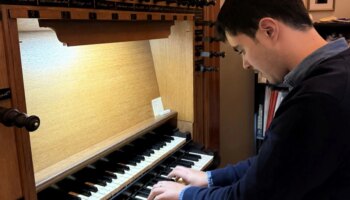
{"type": "Point", "coordinates": [333, 30]}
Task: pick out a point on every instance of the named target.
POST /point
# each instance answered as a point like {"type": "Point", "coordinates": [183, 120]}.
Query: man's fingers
{"type": "Point", "coordinates": [162, 196]}
{"type": "Point", "coordinates": [155, 192]}
{"type": "Point", "coordinates": [178, 171]}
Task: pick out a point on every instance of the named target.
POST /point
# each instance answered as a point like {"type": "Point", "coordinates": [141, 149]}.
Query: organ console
{"type": "Point", "coordinates": [131, 170]}
{"type": "Point", "coordinates": [89, 70]}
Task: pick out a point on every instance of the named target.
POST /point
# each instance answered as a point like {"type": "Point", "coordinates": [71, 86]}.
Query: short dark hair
{"type": "Point", "coordinates": [243, 16]}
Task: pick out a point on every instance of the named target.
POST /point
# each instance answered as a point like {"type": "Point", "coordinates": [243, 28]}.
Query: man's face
{"type": "Point", "coordinates": [258, 54]}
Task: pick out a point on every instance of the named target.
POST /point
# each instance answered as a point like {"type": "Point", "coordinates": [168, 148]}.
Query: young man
{"type": "Point", "coordinates": [306, 154]}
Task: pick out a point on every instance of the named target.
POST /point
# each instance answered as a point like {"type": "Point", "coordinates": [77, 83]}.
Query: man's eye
{"type": "Point", "coordinates": [239, 51]}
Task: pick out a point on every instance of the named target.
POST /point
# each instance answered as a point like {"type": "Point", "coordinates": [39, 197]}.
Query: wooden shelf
{"type": "Point", "coordinates": [74, 32]}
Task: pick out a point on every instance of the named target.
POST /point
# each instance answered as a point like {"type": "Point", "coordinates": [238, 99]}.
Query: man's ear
{"type": "Point", "coordinates": [269, 27]}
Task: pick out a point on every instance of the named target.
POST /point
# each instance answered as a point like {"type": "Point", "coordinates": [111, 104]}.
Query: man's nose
{"type": "Point", "coordinates": [246, 64]}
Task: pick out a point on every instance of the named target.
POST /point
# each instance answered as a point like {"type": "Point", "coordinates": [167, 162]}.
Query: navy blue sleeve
{"type": "Point", "coordinates": [300, 153]}
{"type": "Point", "coordinates": [230, 174]}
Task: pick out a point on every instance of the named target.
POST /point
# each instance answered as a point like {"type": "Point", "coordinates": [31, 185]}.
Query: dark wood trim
{"type": "Point", "coordinates": [18, 101]}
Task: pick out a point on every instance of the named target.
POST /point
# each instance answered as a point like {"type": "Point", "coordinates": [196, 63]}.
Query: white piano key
{"type": "Point", "coordinates": [203, 162]}
{"type": "Point", "coordinates": [83, 197]}
{"type": "Point", "coordinates": [140, 198]}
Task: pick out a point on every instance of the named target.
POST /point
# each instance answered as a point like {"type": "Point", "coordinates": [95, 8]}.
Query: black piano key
{"type": "Point", "coordinates": [189, 163]}
{"type": "Point", "coordinates": [122, 166]}
{"type": "Point", "coordinates": [142, 143]}
{"type": "Point", "coordinates": [182, 163]}
{"type": "Point", "coordinates": [130, 162]}
{"type": "Point", "coordinates": [55, 194]}
{"type": "Point", "coordinates": [193, 155]}
{"type": "Point", "coordinates": [93, 178]}
{"type": "Point", "coordinates": [104, 173]}
{"type": "Point", "coordinates": [156, 146]}
{"type": "Point", "coordinates": [117, 164]}
{"type": "Point", "coordinates": [69, 185]}
{"type": "Point", "coordinates": [140, 157]}
{"type": "Point", "coordinates": [167, 171]}
{"type": "Point", "coordinates": [167, 138]}
{"type": "Point", "coordinates": [123, 158]}
{"type": "Point", "coordinates": [148, 152]}
{"type": "Point", "coordinates": [160, 178]}
{"type": "Point", "coordinates": [137, 158]}
{"type": "Point", "coordinates": [89, 187]}
{"type": "Point", "coordinates": [124, 196]}
{"type": "Point", "coordinates": [169, 160]}
{"type": "Point", "coordinates": [178, 154]}
{"type": "Point", "coordinates": [160, 168]}
{"type": "Point", "coordinates": [190, 157]}
{"type": "Point", "coordinates": [109, 166]}
{"type": "Point", "coordinates": [145, 191]}
{"type": "Point", "coordinates": [138, 149]}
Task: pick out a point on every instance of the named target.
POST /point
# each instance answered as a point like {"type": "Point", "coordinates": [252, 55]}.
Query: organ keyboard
{"type": "Point", "coordinates": [130, 171]}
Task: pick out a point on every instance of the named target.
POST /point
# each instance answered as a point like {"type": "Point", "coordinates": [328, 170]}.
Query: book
{"type": "Point", "coordinates": [271, 108]}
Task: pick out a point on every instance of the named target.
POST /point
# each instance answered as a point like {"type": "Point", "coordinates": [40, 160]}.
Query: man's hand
{"type": "Point", "coordinates": [190, 176]}
{"type": "Point", "coordinates": [166, 190]}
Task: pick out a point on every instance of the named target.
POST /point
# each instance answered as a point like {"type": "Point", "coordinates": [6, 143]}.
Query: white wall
{"type": "Point", "coordinates": [342, 9]}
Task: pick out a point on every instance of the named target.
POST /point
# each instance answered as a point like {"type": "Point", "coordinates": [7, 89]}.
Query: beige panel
{"type": "Point", "coordinates": [85, 94]}
{"type": "Point", "coordinates": [10, 185]}
{"type": "Point", "coordinates": [237, 109]}
{"type": "Point", "coordinates": [173, 61]}
{"type": "Point", "coordinates": [185, 126]}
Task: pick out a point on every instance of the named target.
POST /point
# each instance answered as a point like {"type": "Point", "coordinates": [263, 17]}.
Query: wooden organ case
{"type": "Point", "coordinates": [90, 71]}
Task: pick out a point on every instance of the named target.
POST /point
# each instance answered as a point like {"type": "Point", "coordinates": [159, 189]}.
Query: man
{"type": "Point", "coordinates": [306, 154]}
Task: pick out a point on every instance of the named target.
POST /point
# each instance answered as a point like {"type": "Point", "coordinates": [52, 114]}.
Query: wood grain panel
{"type": "Point", "coordinates": [211, 86]}
{"type": "Point", "coordinates": [18, 101]}
{"type": "Point", "coordinates": [173, 61]}
{"type": "Point", "coordinates": [85, 94]}
{"type": "Point", "coordinates": [10, 187]}
{"type": "Point", "coordinates": [19, 164]}
{"type": "Point", "coordinates": [3, 69]}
